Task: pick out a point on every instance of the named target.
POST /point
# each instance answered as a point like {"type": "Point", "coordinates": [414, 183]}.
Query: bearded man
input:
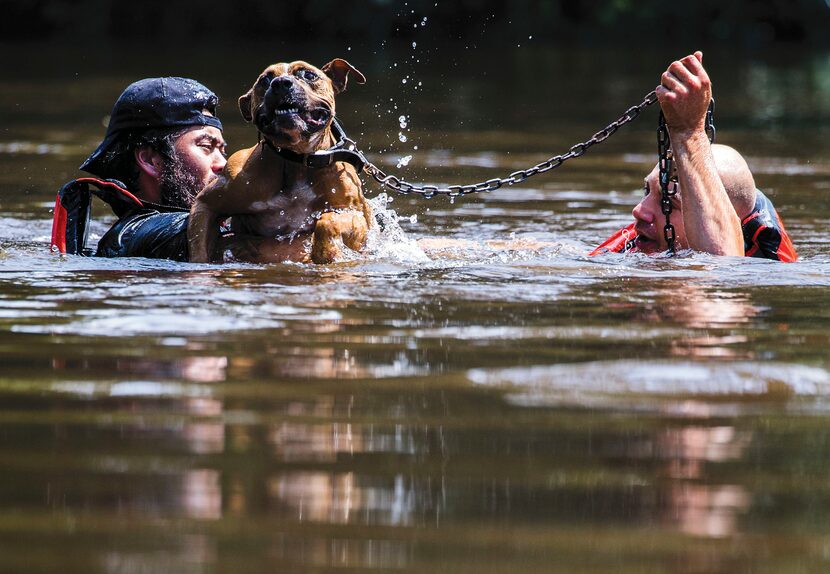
{"type": "Point", "coordinates": [164, 144]}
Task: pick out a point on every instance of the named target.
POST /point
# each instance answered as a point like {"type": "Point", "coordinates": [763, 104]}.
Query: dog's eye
{"type": "Point", "coordinates": [264, 82]}
{"type": "Point", "coordinates": [308, 75]}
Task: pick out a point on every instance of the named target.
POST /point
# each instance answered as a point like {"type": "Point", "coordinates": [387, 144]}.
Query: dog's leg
{"type": "Point", "coordinates": [332, 229]}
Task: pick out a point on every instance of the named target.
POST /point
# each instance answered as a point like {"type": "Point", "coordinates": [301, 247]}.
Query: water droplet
{"type": "Point", "coordinates": [413, 218]}
{"type": "Point", "coordinates": [403, 81]}
{"type": "Point", "coordinates": [414, 44]}
{"type": "Point", "coordinates": [404, 161]}
{"type": "Point", "coordinates": [401, 137]}
{"type": "Point", "coordinates": [282, 212]}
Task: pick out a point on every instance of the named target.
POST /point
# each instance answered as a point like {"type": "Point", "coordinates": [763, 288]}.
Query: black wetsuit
{"type": "Point", "coordinates": [145, 232]}
{"type": "Point", "coordinates": [143, 229]}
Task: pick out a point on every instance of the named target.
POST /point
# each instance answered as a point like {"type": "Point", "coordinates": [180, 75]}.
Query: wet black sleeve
{"type": "Point", "coordinates": [147, 234]}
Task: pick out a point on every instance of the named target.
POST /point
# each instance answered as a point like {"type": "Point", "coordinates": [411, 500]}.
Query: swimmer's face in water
{"type": "Point", "coordinates": [650, 219]}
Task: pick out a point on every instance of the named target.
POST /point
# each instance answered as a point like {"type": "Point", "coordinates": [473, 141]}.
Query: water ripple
{"type": "Point", "coordinates": [613, 384]}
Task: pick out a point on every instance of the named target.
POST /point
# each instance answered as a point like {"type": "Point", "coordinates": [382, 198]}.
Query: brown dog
{"type": "Point", "coordinates": [275, 200]}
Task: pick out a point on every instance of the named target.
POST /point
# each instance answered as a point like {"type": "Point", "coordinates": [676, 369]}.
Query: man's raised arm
{"type": "Point", "coordinates": [712, 226]}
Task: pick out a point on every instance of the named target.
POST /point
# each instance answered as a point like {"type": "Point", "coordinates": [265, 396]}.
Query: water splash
{"type": "Point", "coordinates": [387, 240]}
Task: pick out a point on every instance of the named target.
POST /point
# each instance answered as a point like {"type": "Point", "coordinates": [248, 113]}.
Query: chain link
{"type": "Point", "coordinates": [668, 180]}
{"type": "Point", "coordinates": [710, 121]}
{"type": "Point", "coordinates": [428, 191]}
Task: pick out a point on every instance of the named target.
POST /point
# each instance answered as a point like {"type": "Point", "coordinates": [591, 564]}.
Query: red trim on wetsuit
{"type": "Point", "coordinates": [105, 183]}
{"type": "Point", "coordinates": [59, 226]}
{"type": "Point", "coordinates": [70, 219]}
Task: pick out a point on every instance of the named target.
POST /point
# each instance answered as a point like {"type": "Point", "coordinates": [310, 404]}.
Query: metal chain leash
{"type": "Point", "coordinates": [668, 180]}
{"type": "Point", "coordinates": [429, 191]}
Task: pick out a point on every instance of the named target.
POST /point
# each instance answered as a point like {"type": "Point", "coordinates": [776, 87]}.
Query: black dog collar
{"type": "Point", "coordinates": [344, 150]}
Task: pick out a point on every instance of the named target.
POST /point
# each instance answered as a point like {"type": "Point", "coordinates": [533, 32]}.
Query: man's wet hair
{"type": "Point", "coordinates": [120, 159]}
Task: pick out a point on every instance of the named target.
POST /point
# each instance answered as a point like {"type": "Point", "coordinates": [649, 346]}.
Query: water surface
{"type": "Point", "coordinates": [473, 410]}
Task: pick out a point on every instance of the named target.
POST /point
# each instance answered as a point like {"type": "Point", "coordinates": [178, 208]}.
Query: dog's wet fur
{"type": "Point", "coordinates": [280, 209]}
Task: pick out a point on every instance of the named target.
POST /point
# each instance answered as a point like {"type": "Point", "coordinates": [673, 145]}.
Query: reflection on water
{"type": "Point", "coordinates": [505, 404]}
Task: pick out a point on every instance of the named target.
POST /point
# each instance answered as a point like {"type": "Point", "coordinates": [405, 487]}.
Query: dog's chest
{"type": "Point", "coordinates": [287, 213]}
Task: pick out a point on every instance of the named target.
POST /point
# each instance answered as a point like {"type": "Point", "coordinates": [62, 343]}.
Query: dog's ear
{"type": "Point", "coordinates": [338, 70]}
{"type": "Point", "coordinates": [245, 105]}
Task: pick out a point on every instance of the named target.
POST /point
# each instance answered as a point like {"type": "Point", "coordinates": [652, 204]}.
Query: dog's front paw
{"type": "Point", "coordinates": [334, 232]}
{"type": "Point", "coordinates": [326, 248]}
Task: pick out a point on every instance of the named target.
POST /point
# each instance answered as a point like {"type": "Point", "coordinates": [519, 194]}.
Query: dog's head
{"type": "Point", "coordinates": [292, 104]}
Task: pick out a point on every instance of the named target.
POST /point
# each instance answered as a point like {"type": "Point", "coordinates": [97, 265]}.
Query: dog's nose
{"type": "Point", "coordinates": [281, 83]}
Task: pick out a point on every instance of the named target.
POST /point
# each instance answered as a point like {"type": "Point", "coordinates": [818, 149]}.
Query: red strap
{"type": "Point", "coordinates": [59, 227]}
{"type": "Point", "coordinates": [118, 188]}
{"type": "Point", "coordinates": [750, 217]}
{"type": "Point", "coordinates": [615, 243]}
{"type": "Point", "coordinates": [757, 233]}
{"type": "Point", "coordinates": [786, 250]}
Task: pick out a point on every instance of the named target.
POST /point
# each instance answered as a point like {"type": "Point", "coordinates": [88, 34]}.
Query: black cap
{"type": "Point", "coordinates": [155, 103]}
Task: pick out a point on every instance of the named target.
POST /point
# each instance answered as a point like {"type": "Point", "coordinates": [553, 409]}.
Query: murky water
{"type": "Point", "coordinates": [472, 410]}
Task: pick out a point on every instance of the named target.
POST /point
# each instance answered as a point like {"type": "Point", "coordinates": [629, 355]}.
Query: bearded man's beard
{"type": "Point", "coordinates": [178, 184]}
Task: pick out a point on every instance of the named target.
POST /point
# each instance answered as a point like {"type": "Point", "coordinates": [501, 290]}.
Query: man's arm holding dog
{"type": "Point", "coordinates": [217, 200]}
{"type": "Point", "coordinates": [202, 228]}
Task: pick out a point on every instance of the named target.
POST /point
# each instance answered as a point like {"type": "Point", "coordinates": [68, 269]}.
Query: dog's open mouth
{"type": "Point", "coordinates": [314, 118]}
